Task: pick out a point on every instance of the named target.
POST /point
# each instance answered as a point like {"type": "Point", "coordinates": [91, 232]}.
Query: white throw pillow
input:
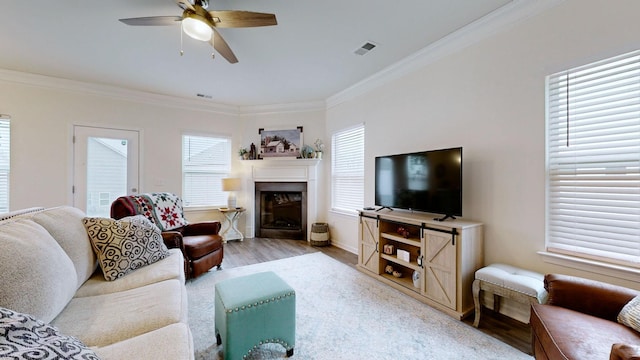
{"type": "Point", "coordinates": [630, 314]}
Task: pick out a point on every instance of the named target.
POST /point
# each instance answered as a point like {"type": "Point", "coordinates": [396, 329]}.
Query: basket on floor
{"type": "Point", "coordinates": [320, 234]}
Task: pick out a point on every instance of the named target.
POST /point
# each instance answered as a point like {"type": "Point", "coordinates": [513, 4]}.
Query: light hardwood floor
{"type": "Point", "coordinates": [257, 250]}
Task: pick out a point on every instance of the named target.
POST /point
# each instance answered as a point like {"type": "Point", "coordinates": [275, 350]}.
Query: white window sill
{"type": "Point", "coordinates": [344, 212]}
{"type": "Point", "coordinates": [593, 266]}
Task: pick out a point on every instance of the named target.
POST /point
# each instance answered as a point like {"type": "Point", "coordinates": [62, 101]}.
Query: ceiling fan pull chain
{"type": "Point", "coordinates": [181, 31]}
{"type": "Point", "coordinates": [213, 54]}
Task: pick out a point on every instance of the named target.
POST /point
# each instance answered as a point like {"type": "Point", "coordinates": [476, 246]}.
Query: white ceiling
{"type": "Point", "coordinates": [309, 56]}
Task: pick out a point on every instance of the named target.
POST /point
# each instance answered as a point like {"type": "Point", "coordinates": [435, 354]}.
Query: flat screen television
{"type": "Point", "coordinates": [428, 181]}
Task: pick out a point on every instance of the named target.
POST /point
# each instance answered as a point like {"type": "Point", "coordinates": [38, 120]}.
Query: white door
{"type": "Point", "coordinates": [106, 166]}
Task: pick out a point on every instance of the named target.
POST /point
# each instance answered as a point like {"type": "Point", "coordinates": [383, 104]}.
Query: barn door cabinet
{"type": "Point", "coordinates": [436, 262]}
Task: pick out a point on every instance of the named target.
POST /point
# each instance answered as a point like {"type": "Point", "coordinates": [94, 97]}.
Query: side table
{"type": "Point", "coordinates": [230, 224]}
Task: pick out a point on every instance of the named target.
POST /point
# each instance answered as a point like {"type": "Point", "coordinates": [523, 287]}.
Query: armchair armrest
{"type": "Point", "coordinates": [202, 228]}
{"type": "Point", "coordinates": [625, 352]}
{"type": "Point", "coordinates": [173, 239]}
{"type": "Point", "coordinates": [587, 296]}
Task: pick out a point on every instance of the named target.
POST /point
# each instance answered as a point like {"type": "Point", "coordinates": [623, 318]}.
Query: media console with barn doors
{"type": "Point", "coordinates": [430, 260]}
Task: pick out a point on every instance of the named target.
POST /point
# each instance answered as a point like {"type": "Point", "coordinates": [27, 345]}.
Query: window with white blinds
{"type": "Point", "coordinates": [5, 151]}
{"type": "Point", "coordinates": [205, 162]}
{"type": "Point", "coordinates": [593, 159]}
{"type": "Point", "coordinates": [347, 169]}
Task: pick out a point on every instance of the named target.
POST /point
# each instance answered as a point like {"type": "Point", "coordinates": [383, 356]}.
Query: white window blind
{"type": "Point", "coordinates": [593, 159]}
{"type": "Point", "coordinates": [347, 169]}
{"type": "Point", "coordinates": [205, 162]}
{"type": "Point", "coordinates": [5, 151]}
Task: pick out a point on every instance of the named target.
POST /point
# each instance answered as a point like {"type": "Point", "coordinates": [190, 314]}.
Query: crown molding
{"type": "Point", "coordinates": [490, 24]}
{"type": "Point", "coordinates": [119, 93]}
{"type": "Point", "coordinates": [114, 92]}
{"type": "Point", "coordinates": [283, 108]}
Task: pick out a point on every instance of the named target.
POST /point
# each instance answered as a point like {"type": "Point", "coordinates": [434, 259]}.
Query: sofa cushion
{"type": "Point", "coordinates": [106, 319]}
{"type": "Point", "coordinates": [125, 245]}
{"type": "Point", "coordinates": [569, 334]}
{"type": "Point", "coordinates": [168, 268]}
{"type": "Point", "coordinates": [64, 223]}
{"type": "Point", "coordinates": [37, 276]}
{"type": "Point", "coordinates": [170, 342]}
{"type": "Point", "coordinates": [24, 337]}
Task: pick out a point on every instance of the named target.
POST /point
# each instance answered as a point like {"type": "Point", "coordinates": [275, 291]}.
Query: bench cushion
{"type": "Point", "coordinates": [511, 277]}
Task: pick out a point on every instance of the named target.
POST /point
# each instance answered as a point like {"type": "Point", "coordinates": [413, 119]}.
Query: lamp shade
{"type": "Point", "coordinates": [196, 27]}
{"type": "Point", "coordinates": [231, 184]}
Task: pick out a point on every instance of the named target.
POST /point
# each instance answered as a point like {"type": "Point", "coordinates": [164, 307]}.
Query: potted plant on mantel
{"type": "Point", "coordinates": [244, 153]}
{"type": "Point", "coordinates": [319, 148]}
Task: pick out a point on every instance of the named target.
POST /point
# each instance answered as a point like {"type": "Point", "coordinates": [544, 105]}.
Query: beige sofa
{"type": "Point", "coordinates": [48, 269]}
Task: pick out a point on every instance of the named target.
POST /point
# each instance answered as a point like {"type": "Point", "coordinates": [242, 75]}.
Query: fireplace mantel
{"type": "Point", "coordinates": [282, 170]}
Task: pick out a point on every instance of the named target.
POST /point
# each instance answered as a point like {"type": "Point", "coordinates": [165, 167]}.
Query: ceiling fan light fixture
{"type": "Point", "coordinates": [197, 27]}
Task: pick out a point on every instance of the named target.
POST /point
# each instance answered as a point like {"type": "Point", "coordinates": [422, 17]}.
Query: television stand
{"type": "Point", "coordinates": [429, 260]}
{"type": "Point", "coordinates": [385, 207]}
{"type": "Point", "coordinates": [445, 218]}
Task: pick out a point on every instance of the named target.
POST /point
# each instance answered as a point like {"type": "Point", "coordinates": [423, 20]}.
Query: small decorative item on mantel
{"type": "Point", "coordinates": [307, 152]}
{"type": "Point", "coordinates": [252, 153]}
{"type": "Point", "coordinates": [244, 154]}
{"type": "Point", "coordinates": [319, 148]}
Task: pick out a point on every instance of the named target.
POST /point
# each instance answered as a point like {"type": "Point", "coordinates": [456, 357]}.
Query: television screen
{"type": "Point", "coordinates": [429, 181]}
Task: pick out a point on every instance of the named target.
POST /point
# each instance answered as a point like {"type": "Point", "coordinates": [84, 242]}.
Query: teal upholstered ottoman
{"type": "Point", "coordinates": [253, 310]}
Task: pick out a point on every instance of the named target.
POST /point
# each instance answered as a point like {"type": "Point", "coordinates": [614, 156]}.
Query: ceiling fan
{"type": "Point", "coordinates": [201, 24]}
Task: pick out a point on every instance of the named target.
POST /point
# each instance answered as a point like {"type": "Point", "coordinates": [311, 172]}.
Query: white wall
{"type": "Point", "coordinates": [42, 120]}
{"type": "Point", "coordinates": [43, 112]}
{"type": "Point", "coordinates": [490, 99]}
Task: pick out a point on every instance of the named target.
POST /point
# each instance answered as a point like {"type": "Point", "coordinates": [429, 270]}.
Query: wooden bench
{"type": "Point", "coordinates": [510, 282]}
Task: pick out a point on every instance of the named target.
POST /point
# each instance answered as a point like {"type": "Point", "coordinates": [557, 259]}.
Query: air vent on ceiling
{"type": "Point", "coordinates": [368, 46]}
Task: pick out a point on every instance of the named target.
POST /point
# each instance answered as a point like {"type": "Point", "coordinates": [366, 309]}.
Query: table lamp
{"type": "Point", "coordinates": [231, 185]}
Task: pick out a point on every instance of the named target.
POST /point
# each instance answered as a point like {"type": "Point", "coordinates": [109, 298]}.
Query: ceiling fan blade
{"type": "Point", "coordinates": [153, 21]}
{"type": "Point", "coordinates": [222, 47]}
{"type": "Point", "coordinates": [237, 18]}
{"type": "Point", "coordinates": [185, 4]}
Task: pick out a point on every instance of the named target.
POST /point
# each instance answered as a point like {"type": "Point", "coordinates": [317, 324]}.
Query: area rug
{"type": "Point", "coordinates": [344, 314]}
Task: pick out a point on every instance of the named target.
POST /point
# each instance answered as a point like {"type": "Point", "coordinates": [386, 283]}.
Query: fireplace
{"type": "Point", "coordinates": [302, 173]}
{"type": "Point", "coordinates": [281, 210]}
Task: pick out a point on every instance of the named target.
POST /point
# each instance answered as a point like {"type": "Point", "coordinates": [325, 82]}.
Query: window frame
{"type": "Point", "coordinates": [592, 105]}
{"type": "Point", "coordinates": [219, 170]}
{"type": "Point", "coordinates": [347, 207]}
{"type": "Point", "coordinates": [5, 191]}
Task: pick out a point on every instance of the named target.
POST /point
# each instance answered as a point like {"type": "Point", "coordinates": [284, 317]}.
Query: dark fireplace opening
{"type": "Point", "coordinates": [281, 210]}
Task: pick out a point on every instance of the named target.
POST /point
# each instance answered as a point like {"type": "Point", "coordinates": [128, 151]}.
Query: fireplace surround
{"type": "Point", "coordinates": [277, 171]}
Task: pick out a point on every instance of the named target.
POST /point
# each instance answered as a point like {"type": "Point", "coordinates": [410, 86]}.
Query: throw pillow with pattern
{"type": "Point", "coordinates": [630, 314]}
{"type": "Point", "coordinates": [125, 245]}
{"type": "Point", "coordinates": [24, 337]}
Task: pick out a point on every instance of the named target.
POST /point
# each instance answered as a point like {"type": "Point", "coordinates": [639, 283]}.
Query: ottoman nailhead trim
{"type": "Point", "coordinates": [267, 341]}
{"type": "Point", "coordinates": [261, 302]}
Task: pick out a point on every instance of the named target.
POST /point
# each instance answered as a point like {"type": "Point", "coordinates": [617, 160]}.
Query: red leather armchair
{"type": "Point", "coordinates": [201, 244]}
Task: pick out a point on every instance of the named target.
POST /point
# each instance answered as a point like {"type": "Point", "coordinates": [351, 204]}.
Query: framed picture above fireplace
{"type": "Point", "coordinates": [285, 143]}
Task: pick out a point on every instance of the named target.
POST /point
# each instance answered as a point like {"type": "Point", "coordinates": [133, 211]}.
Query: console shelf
{"type": "Point", "coordinates": [443, 255]}
{"type": "Point", "coordinates": [393, 259]}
